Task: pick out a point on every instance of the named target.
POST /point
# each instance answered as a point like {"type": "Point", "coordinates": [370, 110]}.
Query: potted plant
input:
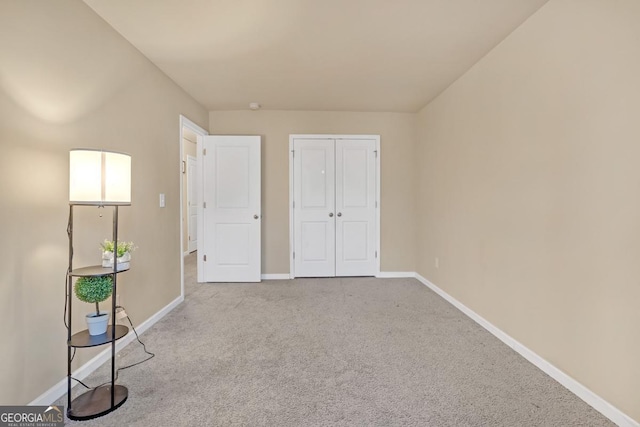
{"type": "Point", "coordinates": [123, 253]}
{"type": "Point", "coordinates": [95, 289]}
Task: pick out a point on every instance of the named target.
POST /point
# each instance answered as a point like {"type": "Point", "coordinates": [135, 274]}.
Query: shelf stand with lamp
{"type": "Point", "coordinates": [96, 178]}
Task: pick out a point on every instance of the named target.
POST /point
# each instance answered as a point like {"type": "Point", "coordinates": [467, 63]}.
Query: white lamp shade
{"type": "Point", "coordinates": [99, 177]}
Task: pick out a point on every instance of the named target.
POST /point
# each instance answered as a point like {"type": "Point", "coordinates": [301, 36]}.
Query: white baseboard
{"type": "Point", "coordinates": [395, 274]}
{"type": "Point", "coordinates": [598, 403]}
{"type": "Point", "coordinates": [281, 276]}
{"type": "Point", "coordinates": [60, 388]}
{"type": "Point", "coordinates": [381, 275]}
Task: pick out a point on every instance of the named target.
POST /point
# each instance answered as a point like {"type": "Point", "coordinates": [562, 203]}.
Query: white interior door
{"type": "Point", "coordinates": [355, 207]}
{"type": "Point", "coordinates": [192, 203]}
{"type": "Point", "coordinates": [314, 207]}
{"type": "Point", "coordinates": [229, 244]}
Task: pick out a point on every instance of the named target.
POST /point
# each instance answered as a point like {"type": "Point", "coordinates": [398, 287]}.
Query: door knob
{"type": "Point", "coordinates": [256, 217]}
{"type": "Point", "coordinates": [339, 213]}
{"type": "Point", "coordinates": [331, 215]}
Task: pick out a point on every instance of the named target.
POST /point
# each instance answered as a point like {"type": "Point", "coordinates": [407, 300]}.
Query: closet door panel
{"type": "Point", "coordinates": [355, 207]}
{"type": "Point", "coordinates": [314, 218]}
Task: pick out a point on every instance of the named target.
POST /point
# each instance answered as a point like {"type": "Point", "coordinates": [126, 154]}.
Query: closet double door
{"type": "Point", "coordinates": [334, 207]}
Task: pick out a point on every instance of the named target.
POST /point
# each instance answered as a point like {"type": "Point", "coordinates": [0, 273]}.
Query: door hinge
{"type": "Point", "coordinates": [204, 152]}
{"type": "Point", "coordinates": [204, 205]}
{"type": "Point", "coordinates": [293, 153]}
{"type": "Point", "coordinates": [376, 254]}
{"type": "Point", "coordinates": [376, 151]}
{"type": "Point", "coordinates": [376, 203]}
{"type": "Point", "coordinates": [294, 204]}
{"type": "Point", "coordinates": [294, 255]}
{"type": "Point", "coordinates": [205, 257]}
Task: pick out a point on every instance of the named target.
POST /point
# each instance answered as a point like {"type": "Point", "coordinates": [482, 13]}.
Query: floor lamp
{"type": "Point", "coordinates": [96, 178]}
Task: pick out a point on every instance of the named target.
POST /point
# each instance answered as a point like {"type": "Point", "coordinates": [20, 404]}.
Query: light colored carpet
{"type": "Point", "coordinates": [344, 352]}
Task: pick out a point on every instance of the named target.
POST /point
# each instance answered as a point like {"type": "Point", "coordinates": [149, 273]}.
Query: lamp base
{"type": "Point", "coordinates": [97, 402]}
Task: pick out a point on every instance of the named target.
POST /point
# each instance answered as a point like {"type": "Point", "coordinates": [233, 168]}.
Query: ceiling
{"type": "Point", "coordinates": [339, 55]}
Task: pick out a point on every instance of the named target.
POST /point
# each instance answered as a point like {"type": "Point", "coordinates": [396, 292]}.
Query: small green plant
{"type": "Point", "coordinates": [94, 289]}
{"type": "Point", "coordinates": [123, 247]}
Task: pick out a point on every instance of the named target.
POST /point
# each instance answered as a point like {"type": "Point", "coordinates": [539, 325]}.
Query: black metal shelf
{"type": "Point", "coordinates": [95, 270]}
{"type": "Point", "coordinates": [104, 399]}
{"type": "Point", "coordinates": [82, 339]}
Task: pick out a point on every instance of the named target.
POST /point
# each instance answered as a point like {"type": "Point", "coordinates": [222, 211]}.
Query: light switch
{"type": "Point", "coordinates": [162, 204]}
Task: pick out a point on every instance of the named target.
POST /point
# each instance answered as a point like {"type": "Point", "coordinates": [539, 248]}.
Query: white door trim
{"type": "Point", "coordinates": [184, 123]}
{"type": "Point", "coordinates": [292, 274]}
{"type": "Point", "coordinates": [189, 200]}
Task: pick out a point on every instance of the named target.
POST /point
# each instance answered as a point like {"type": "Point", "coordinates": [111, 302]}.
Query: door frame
{"type": "Point", "coordinates": [184, 123]}
{"type": "Point", "coordinates": [189, 188]}
{"type": "Point", "coordinates": [376, 138]}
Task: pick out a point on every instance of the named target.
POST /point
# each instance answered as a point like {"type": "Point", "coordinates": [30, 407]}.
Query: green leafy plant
{"type": "Point", "coordinates": [123, 247]}
{"type": "Point", "coordinates": [94, 289]}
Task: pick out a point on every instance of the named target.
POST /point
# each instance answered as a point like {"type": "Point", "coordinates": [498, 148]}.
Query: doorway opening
{"type": "Point", "coordinates": [189, 133]}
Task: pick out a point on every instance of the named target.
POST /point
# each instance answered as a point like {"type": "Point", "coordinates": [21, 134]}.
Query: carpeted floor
{"type": "Point", "coordinates": [318, 352]}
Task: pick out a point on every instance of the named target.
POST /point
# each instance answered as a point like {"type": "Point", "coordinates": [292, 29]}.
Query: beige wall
{"type": "Point", "coordinates": [397, 137]}
{"type": "Point", "coordinates": [188, 149]}
{"type": "Point", "coordinates": [529, 191]}
{"type": "Point", "coordinates": [69, 80]}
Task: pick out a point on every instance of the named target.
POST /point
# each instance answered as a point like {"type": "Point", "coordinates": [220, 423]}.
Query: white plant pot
{"type": "Point", "coordinates": [97, 324]}
{"type": "Point", "coordinates": [123, 261]}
